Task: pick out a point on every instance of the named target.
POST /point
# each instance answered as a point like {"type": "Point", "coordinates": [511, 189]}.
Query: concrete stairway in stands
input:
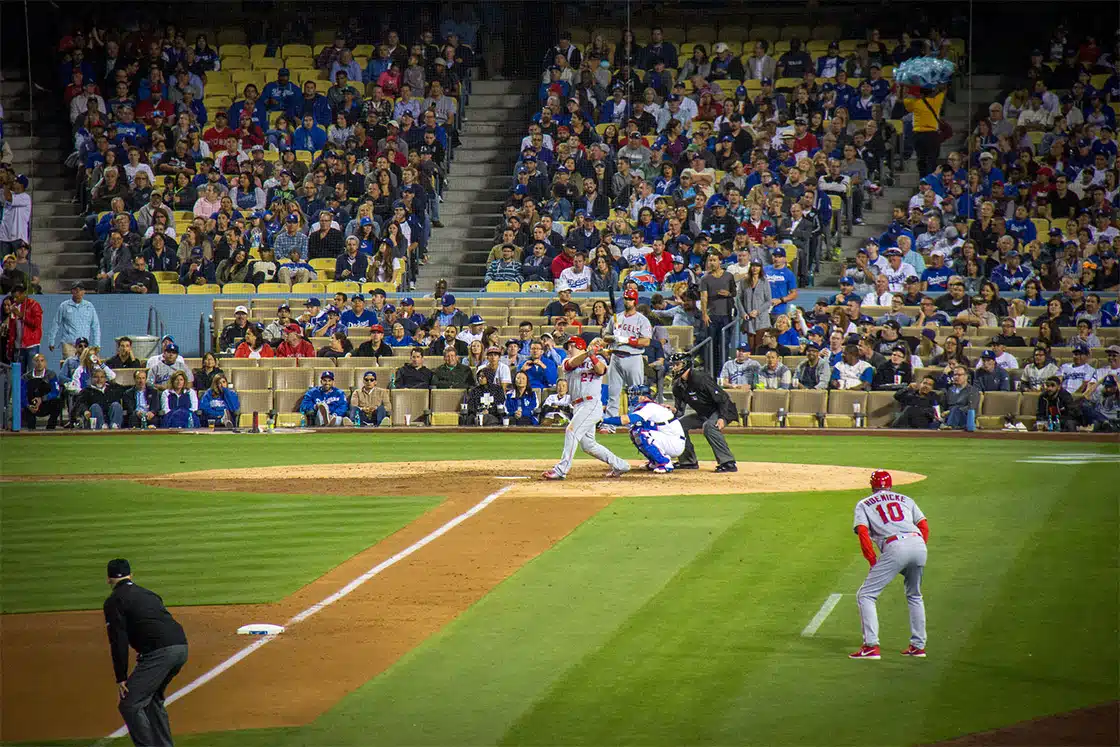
{"type": "Point", "coordinates": [496, 115]}
{"type": "Point", "coordinates": [877, 216]}
{"type": "Point", "coordinates": [58, 245]}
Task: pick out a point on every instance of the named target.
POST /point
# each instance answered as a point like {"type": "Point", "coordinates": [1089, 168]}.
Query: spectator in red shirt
{"type": "Point", "coordinates": [248, 133]}
{"type": "Point", "coordinates": [756, 224]}
{"type": "Point", "coordinates": [25, 327]}
{"type": "Point", "coordinates": [294, 344]}
{"type": "Point", "coordinates": [216, 136]}
{"type": "Point", "coordinates": [659, 261]}
{"type": "Point", "coordinates": [803, 140]}
{"type": "Point", "coordinates": [564, 260]}
{"type": "Point", "coordinates": [156, 102]}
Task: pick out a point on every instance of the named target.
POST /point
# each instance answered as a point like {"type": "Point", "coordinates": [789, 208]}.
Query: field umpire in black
{"type": "Point", "coordinates": [135, 616]}
{"type": "Point", "coordinates": [713, 410]}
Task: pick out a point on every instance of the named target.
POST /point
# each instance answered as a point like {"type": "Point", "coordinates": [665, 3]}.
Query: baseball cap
{"type": "Point", "coordinates": [1082, 349]}
{"type": "Point", "coordinates": [812, 346]}
{"type": "Point", "coordinates": [847, 280]}
{"type": "Point", "coordinates": [118, 568]}
{"type": "Point", "coordinates": [376, 328]}
{"type": "Point", "coordinates": [893, 324]}
{"type": "Point", "coordinates": [173, 348]}
{"type": "Point", "coordinates": [769, 231]}
{"type": "Point", "coordinates": [561, 286]}
{"type": "Point", "coordinates": [327, 375]}
{"type": "Point", "coordinates": [1109, 381]}
{"type": "Point", "coordinates": [388, 308]}
{"type": "Point", "coordinates": [778, 252]}
{"type": "Point", "coordinates": [81, 341]}
{"type": "Point", "coordinates": [332, 309]}
{"type": "Point", "coordinates": [1113, 349]}
{"type": "Point", "coordinates": [988, 355]}
{"type": "Point", "coordinates": [312, 302]}
{"type": "Point", "coordinates": [818, 330]}
{"type": "Point", "coordinates": [293, 218]}
{"type": "Point", "coordinates": [407, 301]}
{"type": "Point", "coordinates": [294, 328]}
{"type": "Point", "coordinates": [241, 310]}
{"type": "Point", "coordinates": [447, 300]}
{"type": "Point", "coordinates": [630, 294]}
{"type": "Point", "coordinates": [913, 279]}
{"type": "Point", "coordinates": [767, 82]}
{"type": "Point", "coordinates": [894, 251]}
{"type": "Point", "coordinates": [283, 306]}
{"type": "Point", "coordinates": [22, 180]}
{"type": "Point", "coordinates": [476, 319]}
{"type": "Point", "coordinates": [678, 259]}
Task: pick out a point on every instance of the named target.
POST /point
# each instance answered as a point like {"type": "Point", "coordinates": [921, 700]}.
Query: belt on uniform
{"type": "Point", "coordinates": [622, 353]}
{"type": "Point", "coordinates": [891, 539]}
{"type": "Point", "coordinates": [582, 399]}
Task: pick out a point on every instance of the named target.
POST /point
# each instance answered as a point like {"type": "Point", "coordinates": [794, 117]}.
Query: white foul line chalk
{"type": "Point", "coordinates": [319, 606]}
{"type": "Point", "coordinates": [821, 616]}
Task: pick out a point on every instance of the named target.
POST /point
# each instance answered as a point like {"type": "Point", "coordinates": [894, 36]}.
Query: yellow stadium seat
{"type": "Point", "coordinates": [236, 63]}
{"type": "Point", "coordinates": [218, 76]}
{"type": "Point", "coordinates": [299, 63]}
{"type": "Point", "coordinates": [268, 63]}
{"type": "Point", "coordinates": [230, 35]}
{"type": "Point", "coordinates": [238, 288]}
{"type": "Point", "coordinates": [498, 286]}
{"type": "Point", "coordinates": [1042, 226]}
{"type": "Point", "coordinates": [536, 286]}
{"type": "Point", "coordinates": [344, 286]}
{"type": "Point", "coordinates": [198, 290]}
{"type": "Point", "coordinates": [779, 48]}
{"type": "Point", "coordinates": [322, 263]}
{"type": "Point", "coordinates": [601, 128]}
{"type": "Point", "coordinates": [787, 84]}
{"type": "Point", "coordinates": [1060, 223]}
{"type": "Point", "coordinates": [303, 156]}
{"type": "Point", "coordinates": [847, 46]}
{"type": "Point", "coordinates": [362, 50]}
{"type": "Point", "coordinates": [166, 277]}
{"type": "Point", "coordinates": [257, 51]}
{"type": "Point", "coordinates": [318, 49]}
{"type": "Point", "coordinates": [171, 289]}
{"type": "Point", "coordinates": [220, 88]}
{"type": "Point", "coordinates": [273, 288]}
{"type": "Point", "coordinates": [300, 288]}
{"type": "Point", "coordinates": [295, 50]}
{"type": "Point", "coordinates": [232, 50]}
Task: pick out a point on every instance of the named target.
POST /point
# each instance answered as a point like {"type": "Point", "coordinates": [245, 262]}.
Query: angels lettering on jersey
{"type": "Point", "coordinates": [583, 381]}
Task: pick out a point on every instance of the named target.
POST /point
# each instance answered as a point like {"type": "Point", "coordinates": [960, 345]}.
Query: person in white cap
{"type": "Point", "coordinates": [15, 225]}
{"type": "Point", "coordinates": [234, 332]}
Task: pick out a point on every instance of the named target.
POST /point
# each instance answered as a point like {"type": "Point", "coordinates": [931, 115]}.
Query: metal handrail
{"type": "Point", "coordinates": [705, 343]}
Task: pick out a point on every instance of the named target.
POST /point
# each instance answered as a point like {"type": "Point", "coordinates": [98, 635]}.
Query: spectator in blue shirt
{"type": "Point", "coordinates": [783, 283]}
{"type": "Point", "coordinates": [1022, 227]}
{"type": "Point", "coordinates": [521, 401]}
{"type": "Point", "coordinates": [310, 103]}
{"type": "Point", "coordinates": [1011, 275]}
{"type": "Point", "coordinates": [541, 371]}
{"type": "Point", "coordinates": [309, 136]}
{"type": "Point", "coordinates": [278, 93]}
{"type": "Point", "coordinates": [358, 315]}
{"type": "Point", "coordinates": [935, 278]}
{"type": "Point", "coordinates": [252, 104]}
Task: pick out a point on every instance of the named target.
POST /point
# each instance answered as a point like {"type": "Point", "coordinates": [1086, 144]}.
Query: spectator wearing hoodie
{"type": "Point", "coordinates": [325, 405]}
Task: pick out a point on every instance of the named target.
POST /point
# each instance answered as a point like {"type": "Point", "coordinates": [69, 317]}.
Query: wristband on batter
{"type": "Point", "coordinates": [594, 360]}
{"type": "Point", "coordinates": [632, 342]}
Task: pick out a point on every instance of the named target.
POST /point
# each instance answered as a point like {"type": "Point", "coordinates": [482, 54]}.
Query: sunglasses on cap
{"type": "Point", "coordinates": [370, 378]}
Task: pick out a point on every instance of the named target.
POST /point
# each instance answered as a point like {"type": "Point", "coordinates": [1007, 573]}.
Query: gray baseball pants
{"type": "Point", "coordinates": [908, 557]}
{"type": "Point", "coordinates": [714, 435]}
{"type": "Point", "coordinates": [624, 371]}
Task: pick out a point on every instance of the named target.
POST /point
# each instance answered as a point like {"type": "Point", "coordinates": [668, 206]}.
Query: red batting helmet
{"type": "Point", "coordinates": [578, 342]}
{"type": "Point", "coordinates": [630, 294]}
{"type": "Point", "coordinates": [880, 480]}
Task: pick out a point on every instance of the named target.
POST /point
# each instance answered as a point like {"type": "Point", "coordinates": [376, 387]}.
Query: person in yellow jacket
{"type": "Point", "coordinates": [925, 104]}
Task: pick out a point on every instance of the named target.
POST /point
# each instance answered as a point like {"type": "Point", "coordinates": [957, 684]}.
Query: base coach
{"type": "Point", "coordinates": [135, 616]}
{"type": "Point", "coordinates": [713, 410]}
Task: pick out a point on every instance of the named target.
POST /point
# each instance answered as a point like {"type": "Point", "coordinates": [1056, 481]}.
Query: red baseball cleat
{"type": "Point", "coordinates": [917, 653]}
{"type": "Point", "coordinates": [866, 652]}
{"type": "Point", "coordinates": [552, 475]}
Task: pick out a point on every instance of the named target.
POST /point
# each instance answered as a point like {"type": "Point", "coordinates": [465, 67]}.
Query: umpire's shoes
{"type": "Point", "coordinates": [727, 467]}
{"type": "Point", "coordinates": [682, 465]}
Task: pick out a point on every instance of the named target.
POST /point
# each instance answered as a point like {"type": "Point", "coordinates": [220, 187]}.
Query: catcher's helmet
{"type": "Point", "coordinates": [638, 390]}
{"type": "Point", "coordinates": [679, 363]}
{"type": "Point", "coordinates": [579, 342]}
{"type": "Point", "coordinates": [881, 480]}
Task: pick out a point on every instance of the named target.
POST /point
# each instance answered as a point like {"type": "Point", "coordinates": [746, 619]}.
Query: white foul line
{"type": "Point", "coordinates": [821, 616]}
{"type": "Point", "coordinates": [319, 606]}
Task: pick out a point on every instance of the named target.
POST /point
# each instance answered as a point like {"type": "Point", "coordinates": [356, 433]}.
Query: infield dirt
{"type": "Point", "coordinates": [62, 658]}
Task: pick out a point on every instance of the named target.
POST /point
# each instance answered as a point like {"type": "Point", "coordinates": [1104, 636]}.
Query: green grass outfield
{"type": "Point", "coordinates": [671, 620]}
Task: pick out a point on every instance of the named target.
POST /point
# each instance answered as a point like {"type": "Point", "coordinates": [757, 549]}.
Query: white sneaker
{"type": "Point", "coordinates": [114, 427]}
{"type": "Point", "coordinates": [606, 429]}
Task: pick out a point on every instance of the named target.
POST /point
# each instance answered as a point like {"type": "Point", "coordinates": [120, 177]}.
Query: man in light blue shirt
{"type": "Point", "coordinates": [75, 318]}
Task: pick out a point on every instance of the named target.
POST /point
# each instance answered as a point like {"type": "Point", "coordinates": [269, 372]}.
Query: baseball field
{"type": "Point", "coordinates": [430, 597]}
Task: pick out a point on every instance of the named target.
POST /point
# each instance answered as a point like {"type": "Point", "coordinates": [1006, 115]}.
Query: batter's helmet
{"type": "Point", "coordinates": [579, 342]}
{"type": "Point", "coordinates": [881, 480]}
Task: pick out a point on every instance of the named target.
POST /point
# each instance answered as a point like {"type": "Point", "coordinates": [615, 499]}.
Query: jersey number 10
{"type": "Point", "coordinates": [894, 511]}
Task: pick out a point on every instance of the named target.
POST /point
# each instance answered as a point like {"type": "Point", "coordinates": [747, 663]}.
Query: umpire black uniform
{"type": "Point", "coordinates": [698, 390]}
{"type": "Point", "coordinates": [135, 616]}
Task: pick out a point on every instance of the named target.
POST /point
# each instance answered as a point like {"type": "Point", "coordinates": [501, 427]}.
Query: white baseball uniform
{"type": "Point", "coordinates": [627, 366]}
{"type": "Point", "coordinates": [657, 433]}
{"type": "Point", "coordinates": [585, 388]}
{"type": "Point", "coordinates": [892, 522]}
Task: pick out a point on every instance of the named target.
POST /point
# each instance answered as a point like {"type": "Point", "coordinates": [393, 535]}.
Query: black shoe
{"type": "Point", "coordinates": [680, 465]}
{"type": "Point", "coordinates": [727, 467]}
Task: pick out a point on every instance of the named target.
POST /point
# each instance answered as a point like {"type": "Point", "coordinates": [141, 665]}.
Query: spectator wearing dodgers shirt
{"type": "Point", "coordinates": [935, 278]}
{"type": "Point", "coordinates": [1011, 275]}
{"type": "Point", "coordinates": [897, 271]}
{"type": "Point", "coordinates": [1022, 227]}
{"type": "Point", "coordinates": [783, 283]}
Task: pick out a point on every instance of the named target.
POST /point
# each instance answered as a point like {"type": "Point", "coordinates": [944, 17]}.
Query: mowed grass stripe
{"type": "Point", "coordinates": [201, 553]}
{"type": "Point", "coordinates": [509, 647]}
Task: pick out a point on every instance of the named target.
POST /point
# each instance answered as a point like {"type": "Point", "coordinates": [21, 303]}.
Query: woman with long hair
{"type": "Point", "coordinates": [1048, 333]}
{"type": "Point", "coordinates": [205, 374]}
{"type": "Point", "coordinates": [521, 402]}
{"type": "Point", "coordinates": [254, 345]}
{"type": "Point", "coordinates": [603, 277]}
{"type": "Point", "coordinates": [754, 297]}
{"type": "Point", "coordinates": [179, 406]}
{"type": "Point", "coordinates": [989, 291]}
{"type": "Point", "coordinates": [476, 356]}
{"type": "Point", "coordinates": [1055, 314]}
{"type": "Point", "coordinates": [697, 64]}
{"type": "Point", "coordinates": [88, 362]}
{"type": "Point", "coordinates": [383, 266]}
{"type": "Point", "coordinates": [236, 268]}
{"type": "Point", "coordinates": [220, 404]}
{"type": "Point", "coordinates": [600, 314]}
{"type": "Point", "coordinates": [952, 355]}
{"type": "Point", "coordinates": [339, 346]}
